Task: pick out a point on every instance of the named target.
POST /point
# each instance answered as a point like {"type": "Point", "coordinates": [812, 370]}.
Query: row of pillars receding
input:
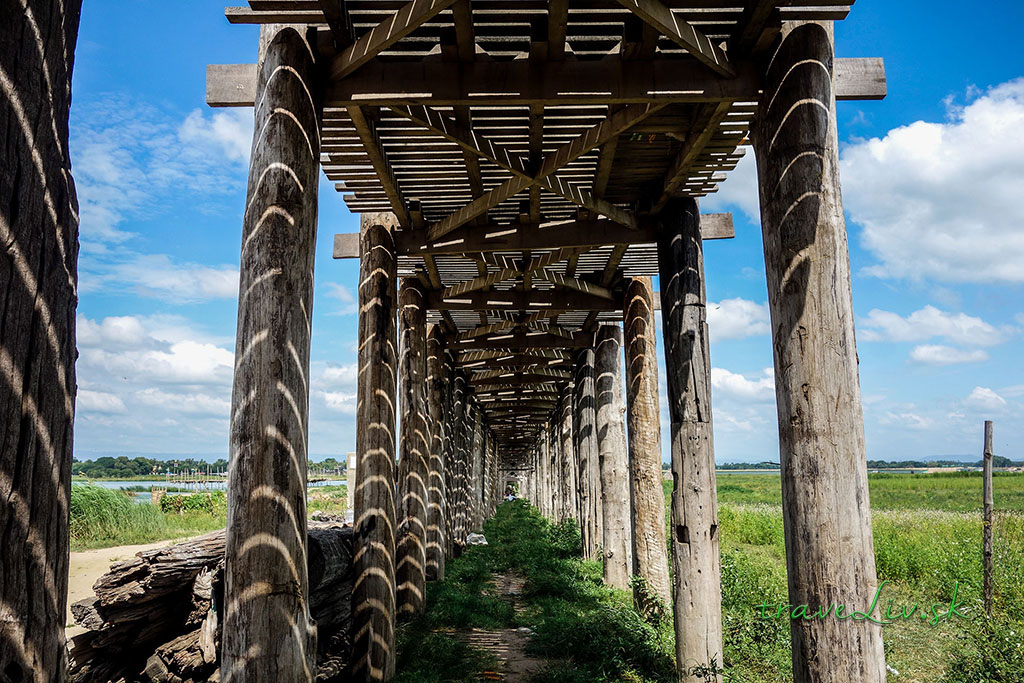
{"type": "Point", "coordinates": [407, 523]}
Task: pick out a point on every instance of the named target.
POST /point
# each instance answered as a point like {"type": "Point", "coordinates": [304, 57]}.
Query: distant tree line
{"type": "Point", "coordinates": [997, 461]}
{"type": "Point", "coordinates": [123, 467]}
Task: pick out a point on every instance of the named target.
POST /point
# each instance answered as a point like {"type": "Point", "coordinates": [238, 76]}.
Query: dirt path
{"type": "Point", "coordinates": [89, 565]}
{"type": "Point", "coordinates": [507, 645]}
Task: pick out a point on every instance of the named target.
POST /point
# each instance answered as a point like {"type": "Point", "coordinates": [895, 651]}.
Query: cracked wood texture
{"type": "Point", "coordinates": [585, 444]}
{"type": "Point", "coordinates": [570, 468]}
{"type": "Point", "coordinates": [436, 502]}
{"type": "Point", "coordinates": [616, 498]}
{"type": "Point", "coordinates": [826, 516]}
{"type": "Point", "coordinates": [373, 595]}
{"type": "Point", "coordinates": [650, 556]}
{"type": "Point", "coordinates": [694, 529]}
{"type": "Point", "coordinates": [414, 444]}
{"type": "Point", "coordinates": [38, 282]}
{"type": "Point", "coordinates": [268, 632]}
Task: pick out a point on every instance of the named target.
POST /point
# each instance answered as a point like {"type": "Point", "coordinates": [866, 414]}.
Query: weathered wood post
{"type": "Point", "coordinates": [694, 530]}
{"type": "Point", "coordinates": [650, 556]}
{"type": "Point", "coordinates": [268, 633]}
{"type": "Point", "coordinates": [616, 500]}
{"type": "Point", "coordinates": [585, 442]}
{"type": "Point", "coordinates": [414, 445]}
{"type": "Point", "coordinates": [826, 515]}
{"type": "Point", "coordinates": [38, 283]}
{"type": "Point", "coordinates": [987, 550]}
{"type": "Point", "coordinates": [450, 451]}
{"type": "Point", "coordinates": [570, 470]}
{"type": "Point", "coordinates": [373, 595]}
{"type": "Point", "coordinates": [436, 496]}
{"type": "Point", "coordinates": [456, 494]}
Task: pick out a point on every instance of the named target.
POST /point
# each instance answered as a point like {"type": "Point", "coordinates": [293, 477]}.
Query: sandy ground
{"type": "Point", "coordinates": [89, 565]}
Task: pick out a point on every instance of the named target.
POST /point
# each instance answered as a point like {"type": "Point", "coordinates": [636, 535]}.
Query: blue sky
{"type": "Point", "coordinates": [932, 182]}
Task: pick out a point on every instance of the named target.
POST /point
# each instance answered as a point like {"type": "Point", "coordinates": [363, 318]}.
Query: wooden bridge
{"type": "Point", "coordinates": [524, 168]}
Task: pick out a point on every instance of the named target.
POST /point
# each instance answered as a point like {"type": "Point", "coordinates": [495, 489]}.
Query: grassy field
{"type": "Point", "coordinates": [102, 517]}
{"type": "Point", "coordinates": [927, 531]}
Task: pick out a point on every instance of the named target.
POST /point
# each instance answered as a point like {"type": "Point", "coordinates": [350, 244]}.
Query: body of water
{"type": "Point", "coordinates": [147, 495]}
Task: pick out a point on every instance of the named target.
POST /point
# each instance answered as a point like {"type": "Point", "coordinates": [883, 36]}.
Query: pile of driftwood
{"type": "Point", "coordinates": [157, 616]}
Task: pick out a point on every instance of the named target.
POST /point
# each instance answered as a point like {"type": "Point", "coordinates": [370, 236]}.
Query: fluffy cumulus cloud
{"type": "Point", "coordinates": [760, 388]}
{"type": "Point", "coordinates": [347, 302]}
{"type": "Point", "coordinates": [737, 318]}
{"type": "Point", "coordinates": [983, 398]}
{"type": "Point", "coordinates": [941, 200]}
{"type": "Point", "coordinates": [334, 386]}
{"type": "Point", "coordinates": [928, 323]}
{"type": "Point", "coordinates": [940, 354]}
{"type": "Point", "coordinates": [159, 276]}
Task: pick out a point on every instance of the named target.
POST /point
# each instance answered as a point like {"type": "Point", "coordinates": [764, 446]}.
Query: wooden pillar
{"type": "Point", "coordinates": [643, 417]}
{"type": "Point", "coordinates": [457, 492]}
{"type": "Point", "coordinates": [570, 470]}
{"type": "Point", "coordinates": [38, 283]}
{"type": "Point", "coordinates": [987, 550]}
{"type": "Point", "coordinates": [268, 633]}
{"type": "Point", "coordinates": [694, 529]}
{"type": "Point", "coordinates": [826, 515]}
{"type": "Point", "coordinates": [616, 500]}
{"type": "Point", "coordinates": [476, 494]}
{"type": "Point", "coordinates": [414, 446]}
{"type": "Point", "coordinates": [450, 452]}
{"type": "Point", "coordinates": [585, 441]}
{"type": "Point", "coordinates": [436, 495]}
{"type": "Point", "coordinates": [373, 595]}
{"type": "Point", "coordinates": [555, 446]}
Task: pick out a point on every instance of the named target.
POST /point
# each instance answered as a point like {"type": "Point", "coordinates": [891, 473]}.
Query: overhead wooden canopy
{"type": "Point", "coordinates": [526, 148]}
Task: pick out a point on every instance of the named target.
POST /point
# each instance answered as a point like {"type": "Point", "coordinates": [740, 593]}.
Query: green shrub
{"type": "Point", "coordinates": [991, 651]}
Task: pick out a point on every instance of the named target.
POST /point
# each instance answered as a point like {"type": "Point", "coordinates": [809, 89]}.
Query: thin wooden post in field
{"type": "Point", "coordinates": [413, 469]}
{"type": "Point", "coordinates": [987, 551]}
{"type": "Point", "coordinates": [268, 632]}
{"type": "Point", "coordinates": [373, 594]}
{"type": "Point", "coordinates": [826, 512]}
{"type": "Point", "coordinates": [616, 497]}
{"type": "Point", "coordinates": [650, 556]}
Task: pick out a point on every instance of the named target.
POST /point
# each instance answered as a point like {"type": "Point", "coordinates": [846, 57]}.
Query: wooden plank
{"type": "Point", "coordinates": [547, 300]}
{"type": "Point", "coordinates": [338, 20]}
{"type": "Point", "coordinates": [371, 144]}
{"type": "Point", "coordinates": [489, 279]}
{"type": "Point", "coordinates": [683, 33]}
{"type": "Point", "coordinates": [521, 340]}
{"type": "Point", "coordinates": [410, 17]}
{"type": "Point", "coordinates": [707, 127]}
{"type": "Point", "coordinates": [558, 84]}
{"type": "Point", "coordinates": [750, 27]}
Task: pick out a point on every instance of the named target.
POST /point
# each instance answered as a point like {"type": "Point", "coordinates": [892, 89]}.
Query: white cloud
{"type": "Point", "coordinates": [229, 131]}
{"type": "Point", "coordinates": [191, 403]}
{"type": "Point", "coordinates": [339, 376]}
{"type": "Point", "coordinates": [942, 200]}
{"type": "Point", "coordinates": [907, 420]}
{"type": "Point", "coordinates": [339, 401]}
{"type": "Point", "coordinates": [734, 385]}
{"type": "Point", "coordinates": [158, 276]}
{"type": "Point", "coordinates": [98, 402]}
{"type": "Point", "coordinates": [339, 292]}
{"type": "Point", "coordinates": [983, 398]}
{"type": "Point", "coordinates": [736, 319]}
{"type": "Point", "coordinates": [930, 322]}
{"type": "Point", "coordinates": [937, 354]}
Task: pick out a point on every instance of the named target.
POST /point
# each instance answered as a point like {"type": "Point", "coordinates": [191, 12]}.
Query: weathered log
{"type": "Point", "coordinates": [643, 418]}
{"type": "Point", "coordinates": [156, 616]}
{"type": "Point", "coordinates": [585, 442]}
{"type": "Point", "coordinates": [826, 514]}
{"type": "Point", "coordinates": [373, 597]}
{"type": "Point", "coordinates": [436, 497]}
{"type": "Point", "coordinates": [410, 557]}
{"type": "Point", "coordinates": [267, 631]}
{"type": "Point", "coordinates": [694, 530]}
{"type": "Point", "coordinates": [617, 542]}
{"type": "Point", "coordinates": [38, 296]}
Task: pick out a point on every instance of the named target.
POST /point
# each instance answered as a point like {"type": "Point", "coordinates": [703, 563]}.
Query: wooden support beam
{"type": "Point", "coordinates": [587, 455]}
{"type": "Point", "coordinates": [267, 632]}
{"type": "Point", "coordinates": [694, 528]}
{"type": "Point", "coordinates": [683, 33]}
{"type": "Point", "coordinates": [643, 419]}
{"type": "Point", "coordinates": [547, 300]}
{"type": "Point", "coordinates": [411, 16]}
{"type": "Point", "coordinates": [371, 145]}
{"type": "Point", "coordinates": [555, 373]}
{"type": "Point", "coordinates": [338, 20]}
{"type": "Point", "coordinates": [570, 467]}
{"type": "Point", "coordinates": [414, 446]}
{"type": "Point", "coordinates": [751, 26]}
{"type": "Point", "coordinates": [573, 283]}
{"type": "Point", "coordinates": [479, 83]}
{"type": "Point", "coordinates": [821, 426]}
{"type": "Point", "coordinates": [616, 536]}
{"type": "Point", "coordinates": [437, 486]}
{"type": "Point", "coordinates": [515, 380]}
{"type": "Point", "coordinates": [373, 595]}
{"type": "Point", "coordinates": [537, 263]}
{"type": "Point", "coordinates": [707, 125]}
{"type": "Point", "coordinates": [520, 340]}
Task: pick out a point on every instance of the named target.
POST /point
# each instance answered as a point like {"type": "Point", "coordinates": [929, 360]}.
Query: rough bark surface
{"type": "Point", "coordinates": [616, 500]}
{"type": "Point", "coordinates": [437, 493]}
{"type": "Point", "coordinates": [414, 445]}
{"type": "Point", "coordinates": [826, 515]}
{"type": "Point", "coordinates": [585, 441]}
{"type": "Point", "coordinates": [268, 632]}
{"type": "Point", "coordinates": [694, 530]}
{"type": "Point", "coordinates": [988, 553]}
{"type": "Point", "coordinates": [643, 418]}
{"type": "Point", "coordinates": [456, 493]}
{"type": "Point", "coordinates": [38, 297]}
{"type": "Point", "coordinates": [373, 597]}
{"type": "Point", "coordinates": [570, 467]}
